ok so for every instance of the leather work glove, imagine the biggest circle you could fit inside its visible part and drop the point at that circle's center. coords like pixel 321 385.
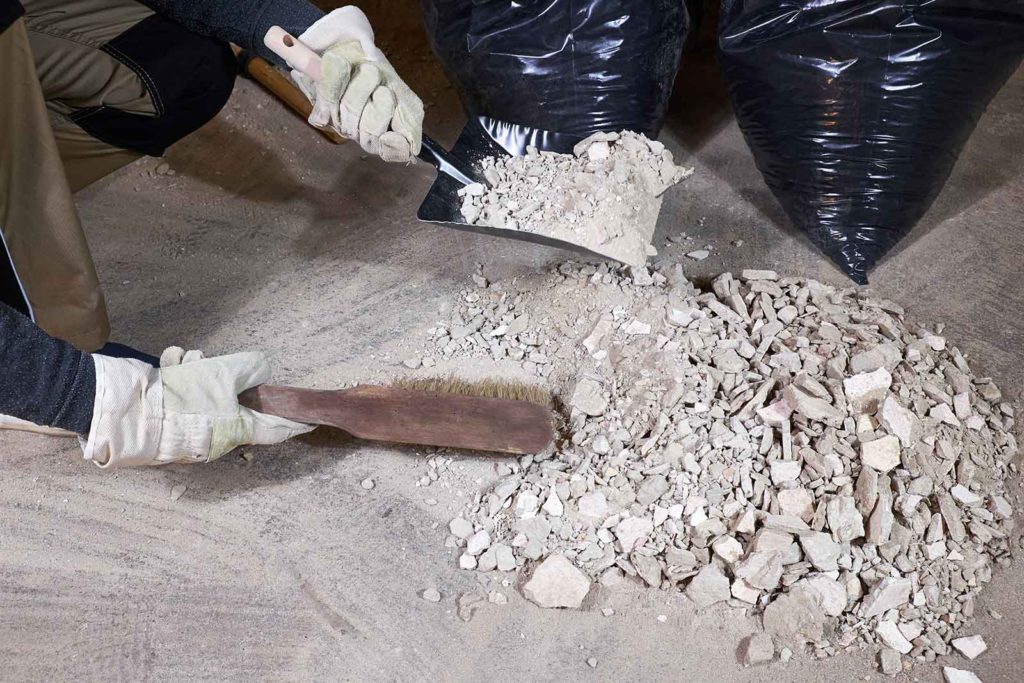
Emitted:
pixel 360 95
pixel 186 411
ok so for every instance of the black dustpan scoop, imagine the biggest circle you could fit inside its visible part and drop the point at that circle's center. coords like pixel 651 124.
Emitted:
pixel 482 138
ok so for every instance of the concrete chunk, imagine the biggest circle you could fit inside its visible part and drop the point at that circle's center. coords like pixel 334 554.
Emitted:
pixel 557 583
pixel 756 649
pixel 709 586
pixel 889 634
pixel 887 594
pixel 881 454
pixel 866 390
pixel 952 675
pixel 898 421
pixel 969 646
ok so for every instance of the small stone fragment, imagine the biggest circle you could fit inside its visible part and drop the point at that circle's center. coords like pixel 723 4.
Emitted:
pixel 556 582
pixel 891 663
pixel 632 532
pixel 887 594
pixel 882 454
pixel 898 421
pixel 177 491
pixel 866 390
pixel 844 520
pixel 821 550
pixel 477 543
pixel 709 586
pixel 589 397
pixel 367 483
pixel 794 618
pixel 467 604
pixel 969 646
pixel 959 675
pixel 431 595
pixel 460 528
pixel 756 649
pixel 889 634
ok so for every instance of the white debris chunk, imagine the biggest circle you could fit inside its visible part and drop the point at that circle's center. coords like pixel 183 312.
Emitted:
pixel 556 582
pixel 965 496
pixel 821 551
pixel 952 675
pixel 477 543
pixel 898 421
pixel 891 636
pixel 728 548
pixel 881 454
pixel 756 649
pixel 887 594
pixel 890 661
pixel 844 520
pixel 461 528
pixel 431 595
pixel 632 532
pixel 969 646
pixel 589 397
pixel 785 470
pixel 866 390
pixel 709 586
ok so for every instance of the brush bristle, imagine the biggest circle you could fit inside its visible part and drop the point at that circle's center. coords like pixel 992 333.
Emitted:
pixel 489 388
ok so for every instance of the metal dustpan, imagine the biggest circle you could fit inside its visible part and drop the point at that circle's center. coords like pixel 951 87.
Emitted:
pixel 481 138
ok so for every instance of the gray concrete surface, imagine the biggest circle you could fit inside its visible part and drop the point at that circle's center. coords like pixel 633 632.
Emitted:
pixel 283 568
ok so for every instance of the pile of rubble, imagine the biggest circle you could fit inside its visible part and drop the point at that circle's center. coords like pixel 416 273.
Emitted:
pixel 777 444
pixel 605 196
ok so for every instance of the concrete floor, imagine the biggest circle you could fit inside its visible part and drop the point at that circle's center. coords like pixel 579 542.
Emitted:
pixel 283 568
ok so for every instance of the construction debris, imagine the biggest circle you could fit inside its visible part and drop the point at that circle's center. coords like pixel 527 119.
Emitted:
pixel 969 646
pixel 605 196
pixel 756 649
pixel 557 583
pixel 431 595
pixel 777 444
pixel 952 675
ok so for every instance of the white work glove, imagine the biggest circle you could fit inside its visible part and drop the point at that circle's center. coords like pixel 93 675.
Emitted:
pixel 186 411
pixel 360 95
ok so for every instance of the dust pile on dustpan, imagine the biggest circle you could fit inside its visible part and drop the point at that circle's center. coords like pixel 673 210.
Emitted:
pixel 604 197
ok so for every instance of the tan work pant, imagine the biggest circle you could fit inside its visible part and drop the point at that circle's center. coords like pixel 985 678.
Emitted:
pixel 52 66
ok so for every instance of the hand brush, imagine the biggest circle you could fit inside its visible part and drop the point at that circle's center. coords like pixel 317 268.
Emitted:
pixel 493 415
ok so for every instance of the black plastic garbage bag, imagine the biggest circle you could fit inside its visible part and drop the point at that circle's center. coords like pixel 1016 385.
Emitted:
pixel 567 67
pixel 856 110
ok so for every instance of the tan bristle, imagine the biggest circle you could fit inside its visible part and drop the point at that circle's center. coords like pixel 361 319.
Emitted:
pixel 487 388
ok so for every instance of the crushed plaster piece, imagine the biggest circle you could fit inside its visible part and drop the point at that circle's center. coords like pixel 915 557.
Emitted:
pixel 605 196
pixel 882 454
pixel 556 582
pixel 756 649
pixel 367 484
pixel 969 646
pixel 952 675
pixel 431 595
pixel 177 491
pixel 729 419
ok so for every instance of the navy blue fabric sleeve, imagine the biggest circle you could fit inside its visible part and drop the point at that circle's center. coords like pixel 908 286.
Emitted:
pixel 242 23
pixel 42 379
pixel 9 11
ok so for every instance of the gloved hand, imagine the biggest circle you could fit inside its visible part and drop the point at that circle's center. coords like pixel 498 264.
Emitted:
pixel 360 94
pixel 186 411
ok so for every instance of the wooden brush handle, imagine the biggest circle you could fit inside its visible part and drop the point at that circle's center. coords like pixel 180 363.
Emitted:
pixel 413 417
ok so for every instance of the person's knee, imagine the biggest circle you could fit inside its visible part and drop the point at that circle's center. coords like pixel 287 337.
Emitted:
pixel 189 78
